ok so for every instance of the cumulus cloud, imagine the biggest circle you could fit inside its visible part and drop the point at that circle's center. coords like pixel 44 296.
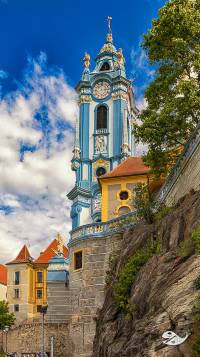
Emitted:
pixel 36 127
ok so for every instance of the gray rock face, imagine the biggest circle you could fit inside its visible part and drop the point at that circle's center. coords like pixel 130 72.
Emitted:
pixel 163 290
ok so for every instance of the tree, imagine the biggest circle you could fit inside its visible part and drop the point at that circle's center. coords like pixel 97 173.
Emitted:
pixel 6 318
pixel 144 202
pixel 173 98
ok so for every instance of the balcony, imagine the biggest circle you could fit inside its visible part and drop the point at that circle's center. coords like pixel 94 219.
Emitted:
pixel 101 131
pixel 102 229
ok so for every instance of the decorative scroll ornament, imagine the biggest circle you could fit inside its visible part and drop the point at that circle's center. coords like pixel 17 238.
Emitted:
pixel 119 95
pixel 85 99
pixel 172 339
pixel 86 60
pixel 97 203
pixel 108 47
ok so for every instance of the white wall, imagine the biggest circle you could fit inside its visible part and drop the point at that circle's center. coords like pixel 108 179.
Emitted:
pixel 3 292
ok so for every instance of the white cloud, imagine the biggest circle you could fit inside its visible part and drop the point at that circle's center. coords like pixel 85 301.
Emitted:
pixel 34 189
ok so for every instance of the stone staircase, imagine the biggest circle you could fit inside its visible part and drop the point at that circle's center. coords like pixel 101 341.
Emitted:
pixel 58 297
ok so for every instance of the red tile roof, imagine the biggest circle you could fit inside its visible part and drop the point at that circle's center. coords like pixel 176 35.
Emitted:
pixel 23 256
pixel 3 274
pixel 130 167
pixel 49 253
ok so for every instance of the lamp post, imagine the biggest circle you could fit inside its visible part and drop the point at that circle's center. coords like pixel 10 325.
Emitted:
pixel 6 331
pixel 43 312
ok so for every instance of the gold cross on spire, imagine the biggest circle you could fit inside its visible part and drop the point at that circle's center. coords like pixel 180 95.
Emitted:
pixel 109 21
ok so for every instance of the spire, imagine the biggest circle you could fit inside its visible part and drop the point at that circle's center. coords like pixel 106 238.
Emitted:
pixel 109 34
pixel 23 256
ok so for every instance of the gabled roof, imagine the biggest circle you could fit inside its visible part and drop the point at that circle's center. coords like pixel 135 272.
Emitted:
pixel 23 256
pixel 3 274
pixel 130 167
pixel 49 253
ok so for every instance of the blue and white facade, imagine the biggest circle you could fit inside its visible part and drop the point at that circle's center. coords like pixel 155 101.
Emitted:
pixel 104 128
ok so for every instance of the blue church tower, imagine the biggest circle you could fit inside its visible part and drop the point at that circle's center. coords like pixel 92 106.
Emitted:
pixel 104 128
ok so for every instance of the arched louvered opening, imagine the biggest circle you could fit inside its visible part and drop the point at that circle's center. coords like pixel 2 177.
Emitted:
pixel 105 67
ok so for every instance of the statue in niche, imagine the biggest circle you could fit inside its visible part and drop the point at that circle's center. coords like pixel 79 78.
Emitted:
pixel 100 144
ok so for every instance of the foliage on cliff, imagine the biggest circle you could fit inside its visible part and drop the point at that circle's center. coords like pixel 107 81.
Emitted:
pixel 160 290
pixel 128 274
pixel 173 98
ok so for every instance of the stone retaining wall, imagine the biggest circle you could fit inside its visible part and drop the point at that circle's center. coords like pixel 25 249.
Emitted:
pixel 26 338
pixel 185 175
pixel 87 285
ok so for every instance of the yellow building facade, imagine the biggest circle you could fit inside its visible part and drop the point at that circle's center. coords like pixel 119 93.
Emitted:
pixel 27 282
pixel 117 187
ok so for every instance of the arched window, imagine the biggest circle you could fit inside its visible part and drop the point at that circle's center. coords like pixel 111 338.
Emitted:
pixel 102 117
pixel 123 195
pixel 105 67
pixel 100 171
pixel 123 210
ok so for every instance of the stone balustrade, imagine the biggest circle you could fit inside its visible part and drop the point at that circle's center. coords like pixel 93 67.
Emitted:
pixel 101 131
pixel 102 229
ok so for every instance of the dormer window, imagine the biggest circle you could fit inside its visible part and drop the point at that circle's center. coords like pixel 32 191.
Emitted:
pixel 105 67
pixel 102 117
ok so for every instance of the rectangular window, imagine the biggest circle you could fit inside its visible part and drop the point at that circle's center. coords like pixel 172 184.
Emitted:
pixel 39 277
pixel 78 260
pixel 17 277
pixel 39 293
pixel 16 308
pixel 39 307
pixel 16 295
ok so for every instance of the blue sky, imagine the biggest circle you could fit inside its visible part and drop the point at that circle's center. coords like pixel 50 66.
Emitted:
pixel 64 30
pixel 42 46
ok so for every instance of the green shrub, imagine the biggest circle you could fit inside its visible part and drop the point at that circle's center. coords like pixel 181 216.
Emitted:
pixel 196 309
pixel 131 311
pixel 196 283
pixel 196 239
pixel 162 212
pixel 185 249
pixel 144 203
pixel 122 287
pixel 196 347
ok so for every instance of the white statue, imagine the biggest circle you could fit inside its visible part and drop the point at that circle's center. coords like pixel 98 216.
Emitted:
pixel 100 144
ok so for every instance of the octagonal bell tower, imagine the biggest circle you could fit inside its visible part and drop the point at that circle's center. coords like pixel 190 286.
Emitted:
pixel 104 128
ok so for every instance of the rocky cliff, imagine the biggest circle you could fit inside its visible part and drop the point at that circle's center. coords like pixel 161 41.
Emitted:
pixel 163 290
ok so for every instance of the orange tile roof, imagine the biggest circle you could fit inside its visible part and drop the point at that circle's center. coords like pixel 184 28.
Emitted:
pixel 49 253
pixel 130 167
pixel 23 256
pixel 3 274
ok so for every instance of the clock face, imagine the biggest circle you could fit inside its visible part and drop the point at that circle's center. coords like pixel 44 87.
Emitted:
pixel 101 90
